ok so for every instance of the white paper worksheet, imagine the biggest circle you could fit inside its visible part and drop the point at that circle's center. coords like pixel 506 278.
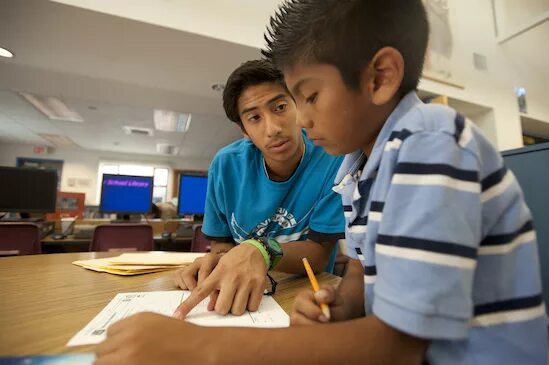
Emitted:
pixel 270 314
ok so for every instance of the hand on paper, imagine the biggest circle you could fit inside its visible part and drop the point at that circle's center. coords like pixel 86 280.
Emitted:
pixel 235 284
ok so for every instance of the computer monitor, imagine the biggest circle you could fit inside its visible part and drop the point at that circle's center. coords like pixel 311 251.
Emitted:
pixel 27 190
pixel 192 194
pixel 124 194
pixel 530 165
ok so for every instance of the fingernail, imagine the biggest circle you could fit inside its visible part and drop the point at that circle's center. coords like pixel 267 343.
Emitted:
pixel 322 318
pixel 177 314
pixel 321 294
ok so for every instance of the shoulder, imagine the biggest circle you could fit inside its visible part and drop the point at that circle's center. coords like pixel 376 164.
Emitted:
pixel 240 151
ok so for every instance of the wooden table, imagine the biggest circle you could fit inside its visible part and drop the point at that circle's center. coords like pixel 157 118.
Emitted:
pixel 45 300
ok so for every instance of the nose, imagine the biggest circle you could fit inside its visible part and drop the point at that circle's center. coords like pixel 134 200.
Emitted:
pixel 274 126
pixel 302 119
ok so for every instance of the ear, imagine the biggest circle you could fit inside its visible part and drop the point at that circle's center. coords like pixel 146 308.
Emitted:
pixel 243 131
pixel 383 75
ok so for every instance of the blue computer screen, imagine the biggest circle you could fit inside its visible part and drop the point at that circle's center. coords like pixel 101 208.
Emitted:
pixel 192 194
pixel 126 194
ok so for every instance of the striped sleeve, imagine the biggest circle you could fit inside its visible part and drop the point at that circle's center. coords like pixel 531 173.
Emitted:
pixel 428 238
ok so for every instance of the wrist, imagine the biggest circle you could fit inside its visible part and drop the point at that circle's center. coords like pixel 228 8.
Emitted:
pixel 261 249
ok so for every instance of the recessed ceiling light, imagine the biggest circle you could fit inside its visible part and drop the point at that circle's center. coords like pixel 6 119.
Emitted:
pixel 4 52
pixel 58 140
pixel 169 121
pixel 53 108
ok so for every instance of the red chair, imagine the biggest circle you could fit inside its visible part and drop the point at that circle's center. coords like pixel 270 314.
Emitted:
pixel 199 243
pixel 19 239
pixel 122 237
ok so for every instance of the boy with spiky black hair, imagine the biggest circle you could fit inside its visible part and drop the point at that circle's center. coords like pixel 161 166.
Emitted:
pixel 445 266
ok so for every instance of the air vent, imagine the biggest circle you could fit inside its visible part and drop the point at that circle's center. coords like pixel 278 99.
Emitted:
pixel 138 131
pixel 167 149
pixel 480 62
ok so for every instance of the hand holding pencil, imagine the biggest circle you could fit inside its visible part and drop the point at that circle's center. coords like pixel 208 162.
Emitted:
pixel 323 306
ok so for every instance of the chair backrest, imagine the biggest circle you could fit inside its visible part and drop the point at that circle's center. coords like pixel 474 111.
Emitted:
pixel 122 237
pixel 199 243
pixel 19 239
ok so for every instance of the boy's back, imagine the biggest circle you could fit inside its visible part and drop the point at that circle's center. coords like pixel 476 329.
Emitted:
pixel 446 239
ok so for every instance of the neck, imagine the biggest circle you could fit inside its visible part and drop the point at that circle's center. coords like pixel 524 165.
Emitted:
pixel 282 170
pixel 385 112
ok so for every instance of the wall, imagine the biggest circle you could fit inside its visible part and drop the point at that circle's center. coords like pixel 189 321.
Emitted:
pixel 84 164
pixel 244 21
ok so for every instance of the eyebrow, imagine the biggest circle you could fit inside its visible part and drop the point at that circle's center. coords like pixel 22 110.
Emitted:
pixel 295 89
pixel 279 96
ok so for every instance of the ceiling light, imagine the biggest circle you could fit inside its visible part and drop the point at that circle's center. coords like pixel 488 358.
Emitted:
pixel 53 108
pixel 169 121
pixel 57 140
pixel 6 53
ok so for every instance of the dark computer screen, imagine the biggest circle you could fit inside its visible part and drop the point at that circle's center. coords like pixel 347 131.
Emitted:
pixel 27 190
pixel 124 194
pixel 192 194
pixel 530 165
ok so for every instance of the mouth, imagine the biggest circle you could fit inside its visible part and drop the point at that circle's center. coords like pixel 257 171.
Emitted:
pixel 279 146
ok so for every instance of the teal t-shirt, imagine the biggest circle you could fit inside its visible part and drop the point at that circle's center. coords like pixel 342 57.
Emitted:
pixel 242 200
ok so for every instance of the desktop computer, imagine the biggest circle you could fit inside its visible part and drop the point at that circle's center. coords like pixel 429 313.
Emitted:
pixel 27 190
pixel 126 195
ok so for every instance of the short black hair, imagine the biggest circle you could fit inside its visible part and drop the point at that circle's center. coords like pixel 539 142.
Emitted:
pixel 248 74
pixel 347 34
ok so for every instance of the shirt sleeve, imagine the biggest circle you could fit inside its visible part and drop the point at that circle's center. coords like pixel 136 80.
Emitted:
pixel 216 224
pixel 428 238
pixel 327 221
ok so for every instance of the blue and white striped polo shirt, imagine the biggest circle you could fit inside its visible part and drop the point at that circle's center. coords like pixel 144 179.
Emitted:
pixel 446 239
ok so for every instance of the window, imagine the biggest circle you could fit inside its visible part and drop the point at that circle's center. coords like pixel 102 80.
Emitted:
pixel 160 174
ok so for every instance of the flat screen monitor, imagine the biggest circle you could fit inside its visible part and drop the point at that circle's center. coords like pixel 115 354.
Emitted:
pixel 192 194
pixel 124 194
pixel 530 165
pixel 27 190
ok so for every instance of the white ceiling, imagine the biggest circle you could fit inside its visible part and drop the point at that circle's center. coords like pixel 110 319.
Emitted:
pixel 123 68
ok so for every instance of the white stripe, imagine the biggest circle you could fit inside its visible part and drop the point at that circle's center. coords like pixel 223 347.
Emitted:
pixel 499 188
pixel 442 180
pixel 526 237
pixel 426 256
pixel 358 229
pixel 361 257
pixel 466 134
pixel 517 315
pixel 375 216
pixel 347 214
pixel 370 279
pixel 342 184
pixel 356 194
pixel 290 237
pixel 393 145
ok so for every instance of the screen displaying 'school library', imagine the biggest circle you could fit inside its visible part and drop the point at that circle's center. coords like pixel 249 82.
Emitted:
pixel 123 194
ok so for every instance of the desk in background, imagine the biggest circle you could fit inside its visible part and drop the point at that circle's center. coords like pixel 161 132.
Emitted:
pixel 45 299
pixel 72 244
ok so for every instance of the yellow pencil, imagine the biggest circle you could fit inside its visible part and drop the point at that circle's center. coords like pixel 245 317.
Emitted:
pixel 323 306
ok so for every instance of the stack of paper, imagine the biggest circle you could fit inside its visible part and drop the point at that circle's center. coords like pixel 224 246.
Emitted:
pixel 269 314
pixel 140 263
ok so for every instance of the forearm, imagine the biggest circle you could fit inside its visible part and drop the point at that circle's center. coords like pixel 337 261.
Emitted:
pixel 364 340
pixel 351 288
pixel 316 253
